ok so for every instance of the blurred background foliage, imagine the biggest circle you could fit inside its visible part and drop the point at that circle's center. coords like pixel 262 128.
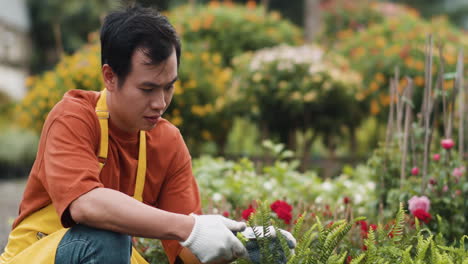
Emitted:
pixel 329 106
pixel 248 75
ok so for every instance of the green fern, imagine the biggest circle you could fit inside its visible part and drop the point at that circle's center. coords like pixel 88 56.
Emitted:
pixel 406 258
pixel 397 229
pixel 337 259
pixel 359 259
pixel 423 245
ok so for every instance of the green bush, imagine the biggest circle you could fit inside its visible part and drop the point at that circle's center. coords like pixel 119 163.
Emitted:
pixel 287 89
pixel 18 151
pixel 231 30
pixel 400 42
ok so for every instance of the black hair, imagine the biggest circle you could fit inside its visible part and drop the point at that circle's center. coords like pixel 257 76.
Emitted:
pixel 125 31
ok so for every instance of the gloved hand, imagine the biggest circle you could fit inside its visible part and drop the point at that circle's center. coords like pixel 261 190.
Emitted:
pixel 254 249
pixel 212 239
pixel 249 234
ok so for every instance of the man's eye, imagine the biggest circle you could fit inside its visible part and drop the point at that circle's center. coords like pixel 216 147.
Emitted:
pixel 170 87
pixel 147 90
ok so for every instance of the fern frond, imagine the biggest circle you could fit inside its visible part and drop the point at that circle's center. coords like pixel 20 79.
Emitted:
pixel 406 257
pixel 337 259
pixel 298 226
pixel 421 248
pixel 369 242
pixel 332 240
pixel 282 246
pixel 358 259
pixel 397 229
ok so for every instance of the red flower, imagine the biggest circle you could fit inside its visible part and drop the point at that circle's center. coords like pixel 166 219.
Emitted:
pixel 226 214
pixel 280 204
pixel 348 259
pixel 432 181
pixel 285 215
pixel 364 227
pixel 247 212
pixel 346 200
pixel 422 215
pixel 373 227
pixel 283 210
pixel 415 171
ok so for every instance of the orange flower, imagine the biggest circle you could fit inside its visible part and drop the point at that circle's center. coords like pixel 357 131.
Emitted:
pixel 214 3
pixel 374 86
pixel 419 81
pixel 374 107
pixel 251 4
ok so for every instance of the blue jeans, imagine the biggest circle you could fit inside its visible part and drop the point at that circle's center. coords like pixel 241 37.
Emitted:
pixel 86 245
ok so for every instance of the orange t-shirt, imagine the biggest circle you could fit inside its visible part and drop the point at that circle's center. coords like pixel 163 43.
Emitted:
pixel 67 166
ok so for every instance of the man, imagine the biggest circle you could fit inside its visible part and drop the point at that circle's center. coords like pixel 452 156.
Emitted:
pixel 98 149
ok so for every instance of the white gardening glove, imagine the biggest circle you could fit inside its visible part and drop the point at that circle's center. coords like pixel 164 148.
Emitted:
pixel 249 234
pixel 212 239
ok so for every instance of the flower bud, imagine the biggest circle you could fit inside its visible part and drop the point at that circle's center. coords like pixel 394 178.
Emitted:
pixel 447 143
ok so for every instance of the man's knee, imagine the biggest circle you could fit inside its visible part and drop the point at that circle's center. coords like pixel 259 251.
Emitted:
pixel 83 243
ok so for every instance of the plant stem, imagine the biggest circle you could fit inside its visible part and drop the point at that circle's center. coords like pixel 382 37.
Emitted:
pixel 408 116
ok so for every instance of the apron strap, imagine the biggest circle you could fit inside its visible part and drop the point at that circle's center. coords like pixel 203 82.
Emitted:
pixel 103 116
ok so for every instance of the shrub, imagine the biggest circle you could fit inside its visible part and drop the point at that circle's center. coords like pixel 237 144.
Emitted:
pixel 400 42
pixel 230 29
pixel 289 89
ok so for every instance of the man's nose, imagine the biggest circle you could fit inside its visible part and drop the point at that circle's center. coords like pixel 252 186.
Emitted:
pixel 158 100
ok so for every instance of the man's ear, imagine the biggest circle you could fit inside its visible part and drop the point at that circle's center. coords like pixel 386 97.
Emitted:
pixel 109 77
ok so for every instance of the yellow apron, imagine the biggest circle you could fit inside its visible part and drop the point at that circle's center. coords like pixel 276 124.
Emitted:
pixel 36 238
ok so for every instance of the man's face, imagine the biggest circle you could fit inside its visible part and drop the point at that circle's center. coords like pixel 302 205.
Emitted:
pixel 139 102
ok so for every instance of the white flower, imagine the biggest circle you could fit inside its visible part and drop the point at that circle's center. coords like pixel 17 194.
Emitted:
pixel 217 197
pixel 268 185
pixel 319 199
pixel 357 198
pixel 347 183
pixel 370 185
pixel 327 186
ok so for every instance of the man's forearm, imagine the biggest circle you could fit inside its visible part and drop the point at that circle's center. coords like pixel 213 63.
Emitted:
pixel 112 210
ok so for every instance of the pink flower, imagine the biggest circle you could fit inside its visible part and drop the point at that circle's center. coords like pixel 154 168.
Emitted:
pixel 415 171
pixel 422 215
pixel 436 157
pixel 419 203
pixel 447 143
pixel 247 212
pixel 445 188
pixel 458 172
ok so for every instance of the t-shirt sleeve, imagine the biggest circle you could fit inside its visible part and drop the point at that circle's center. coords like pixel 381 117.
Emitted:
pixel 70 165
pixel 179 193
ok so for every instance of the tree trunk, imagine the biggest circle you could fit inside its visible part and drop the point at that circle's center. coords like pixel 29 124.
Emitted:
pixel 306 152
pixel 352 139
pixel 312 20
pixel 58 39
pixel 266 4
